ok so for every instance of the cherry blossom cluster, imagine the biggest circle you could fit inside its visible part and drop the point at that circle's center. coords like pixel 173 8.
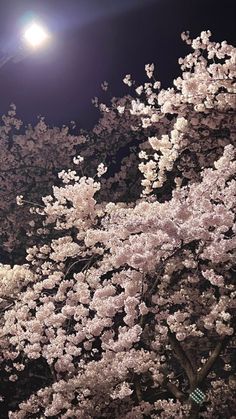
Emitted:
pixel 187 136
pixel 13 279
pixel 173 128
pixel 156 254
pixel 31 158
pixel 128 301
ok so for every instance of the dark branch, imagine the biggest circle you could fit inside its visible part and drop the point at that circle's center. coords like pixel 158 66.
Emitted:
pixel 211 360
pixel 182 358
pixel 175 391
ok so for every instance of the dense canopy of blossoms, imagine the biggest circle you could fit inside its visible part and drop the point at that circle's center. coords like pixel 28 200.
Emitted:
pixel 30 160
pixel 125 305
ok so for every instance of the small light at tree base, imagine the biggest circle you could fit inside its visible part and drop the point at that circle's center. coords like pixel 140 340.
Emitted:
pixel 35 35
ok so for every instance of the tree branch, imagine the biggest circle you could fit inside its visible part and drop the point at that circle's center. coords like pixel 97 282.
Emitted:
pixel 175 391
pixel 138 388
pixel 204 371
pixel 183 359
pixel 211 360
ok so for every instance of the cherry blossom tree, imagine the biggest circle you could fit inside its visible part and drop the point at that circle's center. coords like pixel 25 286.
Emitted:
pixel 30 160
pixel 125 305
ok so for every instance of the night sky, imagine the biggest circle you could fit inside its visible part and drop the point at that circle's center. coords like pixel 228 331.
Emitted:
pixel 97 40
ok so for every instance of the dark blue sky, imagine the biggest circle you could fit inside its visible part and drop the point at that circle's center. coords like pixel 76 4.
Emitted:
pixel 97 40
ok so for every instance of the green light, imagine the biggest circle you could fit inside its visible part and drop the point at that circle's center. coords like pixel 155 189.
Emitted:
pixel 197 396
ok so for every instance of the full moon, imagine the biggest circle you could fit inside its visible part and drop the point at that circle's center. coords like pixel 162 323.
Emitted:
pixel 35 35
